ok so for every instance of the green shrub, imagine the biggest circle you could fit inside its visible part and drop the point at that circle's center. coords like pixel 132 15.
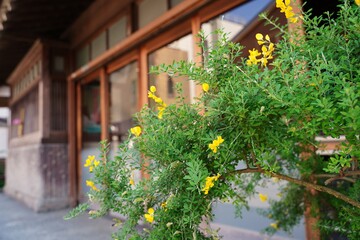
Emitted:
pixel 262 113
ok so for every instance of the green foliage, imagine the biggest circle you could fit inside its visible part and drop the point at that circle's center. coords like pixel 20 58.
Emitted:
pixel 80 209
pixel 268 117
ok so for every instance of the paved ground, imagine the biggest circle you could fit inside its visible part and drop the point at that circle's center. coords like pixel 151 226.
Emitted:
pixel 19 222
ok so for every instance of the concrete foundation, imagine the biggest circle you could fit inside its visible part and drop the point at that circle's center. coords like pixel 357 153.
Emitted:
pixel 37 175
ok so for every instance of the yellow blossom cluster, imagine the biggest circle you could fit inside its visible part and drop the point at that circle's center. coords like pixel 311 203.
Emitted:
pixel 263 197
pixel 357 2
pixel 287 9
pixel 136 131
pixel 150 215
pixel 266 51
pixel 205 87
pixel 209 183
pixel 160 103
pixel 215 144
pixel 91 184
pixel 131 180
pixel 91 162
pixel 274 225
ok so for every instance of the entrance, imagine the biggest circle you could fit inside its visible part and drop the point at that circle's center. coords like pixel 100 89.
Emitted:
pixel 89 131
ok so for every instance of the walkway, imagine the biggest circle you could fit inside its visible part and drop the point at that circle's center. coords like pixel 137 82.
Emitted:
pixel 19 222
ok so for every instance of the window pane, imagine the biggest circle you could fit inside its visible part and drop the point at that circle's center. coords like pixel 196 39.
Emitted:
pixel 175 2
pixel 235 20
pixel 98 45
pixel 90 108
pixel 117 31
pixel 82 56
pixel 123 100
pixel 151 9
pixel 181 49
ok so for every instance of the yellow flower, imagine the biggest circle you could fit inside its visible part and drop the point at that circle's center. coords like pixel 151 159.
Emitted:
pixel 287 9
pixel 89 161
pixel 136 131
pixel 275 179
pixel 164 206
pixel 131 180
pixel 161 105
pixel 263 197
pixel 215 144
pixel 205 87
pixel 150 215
pixel 209 183
pixel 253 57
pixel 357 2
pixel 153 89
pixel 92 185
pixel 274 225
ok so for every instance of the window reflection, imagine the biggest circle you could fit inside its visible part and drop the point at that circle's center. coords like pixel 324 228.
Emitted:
pixel 179 50
pixel 123 101
pixel 90 109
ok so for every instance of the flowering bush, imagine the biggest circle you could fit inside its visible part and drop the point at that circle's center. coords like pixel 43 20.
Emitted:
pixel 261 112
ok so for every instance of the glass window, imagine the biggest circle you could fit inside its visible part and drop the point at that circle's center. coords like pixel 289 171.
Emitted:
pixel 235 20
pixel 98 45
pixel 178 50
pixel 173 3
pixel 82 56
pixel 150 10
pixel 117 31
pixel 91 111
pixel 123 101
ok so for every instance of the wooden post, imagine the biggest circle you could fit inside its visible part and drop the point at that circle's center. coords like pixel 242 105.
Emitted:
pixel 143 89
pixel 197 54
pixel 104 105
pixel 72 144
pixel 312 232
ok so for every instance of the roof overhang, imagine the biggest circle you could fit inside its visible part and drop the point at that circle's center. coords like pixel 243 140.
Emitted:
pixel 22 22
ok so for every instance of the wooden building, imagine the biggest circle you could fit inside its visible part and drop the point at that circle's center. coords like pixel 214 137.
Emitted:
pixel 78 70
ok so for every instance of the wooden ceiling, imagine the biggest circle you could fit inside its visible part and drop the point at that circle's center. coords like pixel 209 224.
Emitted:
pixel 28 20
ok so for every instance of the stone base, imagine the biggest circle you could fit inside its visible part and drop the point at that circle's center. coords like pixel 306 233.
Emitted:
pixel 37 175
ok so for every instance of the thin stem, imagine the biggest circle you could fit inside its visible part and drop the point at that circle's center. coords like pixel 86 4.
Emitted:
pixel 301 183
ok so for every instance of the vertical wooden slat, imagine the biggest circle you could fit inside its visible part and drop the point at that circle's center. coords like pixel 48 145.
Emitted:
pixel 195 28
pixel 104 104
pixel 72 143
pixel 143 88
pixel 143 77
pixel 78 139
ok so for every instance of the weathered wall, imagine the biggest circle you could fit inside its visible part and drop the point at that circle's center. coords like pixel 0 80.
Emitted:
pixel 37 174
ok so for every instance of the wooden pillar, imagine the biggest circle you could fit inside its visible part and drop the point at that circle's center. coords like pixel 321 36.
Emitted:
pixel 72 143
pixel 143 89
pixel 104 105
pixel 143 77
pixel 197 54
pixel 312 232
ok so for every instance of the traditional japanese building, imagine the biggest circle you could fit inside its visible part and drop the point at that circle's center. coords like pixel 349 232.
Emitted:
pixel 78 71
